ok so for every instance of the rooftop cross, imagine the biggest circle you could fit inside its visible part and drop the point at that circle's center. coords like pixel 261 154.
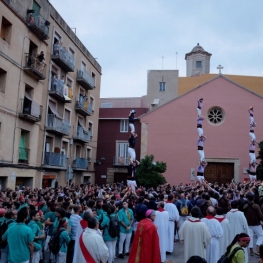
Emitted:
pixel 220 67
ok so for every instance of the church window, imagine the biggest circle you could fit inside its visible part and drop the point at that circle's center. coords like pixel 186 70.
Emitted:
pixel 198 64
pixel 162 86
pixel 215 115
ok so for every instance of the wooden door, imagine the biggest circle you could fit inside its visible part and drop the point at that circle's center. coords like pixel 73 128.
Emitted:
pixel 219 172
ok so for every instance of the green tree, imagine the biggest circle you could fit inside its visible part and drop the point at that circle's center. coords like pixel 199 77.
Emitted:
pixel 260 157
pixel 150 173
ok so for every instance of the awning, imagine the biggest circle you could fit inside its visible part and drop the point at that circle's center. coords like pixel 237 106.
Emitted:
pixel 27 95
pixel 49 176
pixel 54 110
pixel 81 124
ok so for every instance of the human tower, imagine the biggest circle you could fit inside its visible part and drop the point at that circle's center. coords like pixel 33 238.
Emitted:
pixel 252 147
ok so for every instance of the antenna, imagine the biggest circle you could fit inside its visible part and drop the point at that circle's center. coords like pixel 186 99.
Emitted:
pixel 176 53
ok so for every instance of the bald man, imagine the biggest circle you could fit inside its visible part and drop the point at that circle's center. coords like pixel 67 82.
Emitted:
pixel 216 231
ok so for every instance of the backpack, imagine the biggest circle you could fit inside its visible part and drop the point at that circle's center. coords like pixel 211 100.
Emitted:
pixel 100 221
pixel 3 228
pixel 184 209
pixel 225 259
pixel 114 227
pixel 53 244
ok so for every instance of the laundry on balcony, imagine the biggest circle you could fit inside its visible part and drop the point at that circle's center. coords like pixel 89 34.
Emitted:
pixel 67 93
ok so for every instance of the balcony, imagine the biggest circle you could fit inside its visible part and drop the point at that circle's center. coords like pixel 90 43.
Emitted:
pixel 30 110
pixel 80 164
pixel 34 67
pixel 85 79
pixel 38 24
pixel 23 155
pixel 120 161
pixel 55 159
pixel 60 91
pixel 83 107
pixel 57 125
pixel 63 58
pixel 82 135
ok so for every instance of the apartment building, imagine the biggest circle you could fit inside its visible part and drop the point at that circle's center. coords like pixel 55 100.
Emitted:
pixel 48 107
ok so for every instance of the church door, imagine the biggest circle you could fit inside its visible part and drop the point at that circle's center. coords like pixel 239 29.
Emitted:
pixel 219 172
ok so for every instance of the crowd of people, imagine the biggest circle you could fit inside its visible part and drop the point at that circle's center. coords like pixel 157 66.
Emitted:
pixel 91 223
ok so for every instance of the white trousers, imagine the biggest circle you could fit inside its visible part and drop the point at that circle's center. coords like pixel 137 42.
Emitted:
pixel 46 243
pixel 132 153
pixel 61 257
pixel 111 245
pixel 258 232
pixel 200 178
pixel 252 157
pixel 200 131
pixel 251 119
pixel 252 177
pixel 132 127
pixel 127 239
pixel 201 155
pixel 198 111
pixel 36 257
pixel 252 136
pixel 132 184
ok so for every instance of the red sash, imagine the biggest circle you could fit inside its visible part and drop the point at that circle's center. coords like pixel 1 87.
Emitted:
pixel 83 224
pixel 85 252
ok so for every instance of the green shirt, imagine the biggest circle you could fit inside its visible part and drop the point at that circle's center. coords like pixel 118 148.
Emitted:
pixel 126 217
pixel 105 225
pixel 19 236
pixel 52 217
pixel 64 240
pixel 239 256
pixel 37 232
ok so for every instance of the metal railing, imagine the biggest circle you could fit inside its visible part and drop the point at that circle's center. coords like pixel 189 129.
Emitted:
pixel 60 52
pixel 23 155
pixel 81 163
pixel 57 85
pixel 31 108
pixel 86 77
pixel 33 63
pixel 59 125
pixel 55 159
pixel 83 103
pixel 37 21
pixel 82 134
pixel 120 161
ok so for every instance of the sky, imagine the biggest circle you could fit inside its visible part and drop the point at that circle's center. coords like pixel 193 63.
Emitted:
pixel 130 37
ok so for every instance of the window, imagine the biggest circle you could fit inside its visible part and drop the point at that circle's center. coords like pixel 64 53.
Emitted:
pixel 6 30
pixel 215 115
pixel 78 151
pixel 124 126
pixel 23 147
pixel 89 155
pixel 48 145
pixel 2 80
pixel 91 127
pixel 198 64
pixel 64 148
pixel 94 77
pixel 67 115
pixel 162 86
pixel 83 65
pixel 91 102
pixel 54 71
pixel 122 152
pixel 32 48
pixel 36 6
pixel 71 51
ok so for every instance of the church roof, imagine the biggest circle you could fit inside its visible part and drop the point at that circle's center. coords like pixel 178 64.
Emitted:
pixel 253 83
pixel 197 49
pixel 191 83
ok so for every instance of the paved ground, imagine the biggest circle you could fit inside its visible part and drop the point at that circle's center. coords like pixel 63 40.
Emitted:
pixel 178 256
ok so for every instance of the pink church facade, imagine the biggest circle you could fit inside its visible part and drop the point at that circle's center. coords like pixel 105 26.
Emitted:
pixel 170 133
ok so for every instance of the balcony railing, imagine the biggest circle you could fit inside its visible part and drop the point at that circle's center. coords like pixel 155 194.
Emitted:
pixel 57 125
pixel 23 155
pixel 30 110
pixel 82 106
pixel 38 24
pixel 35 67
pixel 85 79
pixel 82 135
pixel 55 159
pixel 120 161
pixel 80 163
pixel 63 58
pixel 60 91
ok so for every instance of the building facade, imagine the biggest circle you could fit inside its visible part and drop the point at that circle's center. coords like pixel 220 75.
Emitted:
pixel 114 132
pixel 48 107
